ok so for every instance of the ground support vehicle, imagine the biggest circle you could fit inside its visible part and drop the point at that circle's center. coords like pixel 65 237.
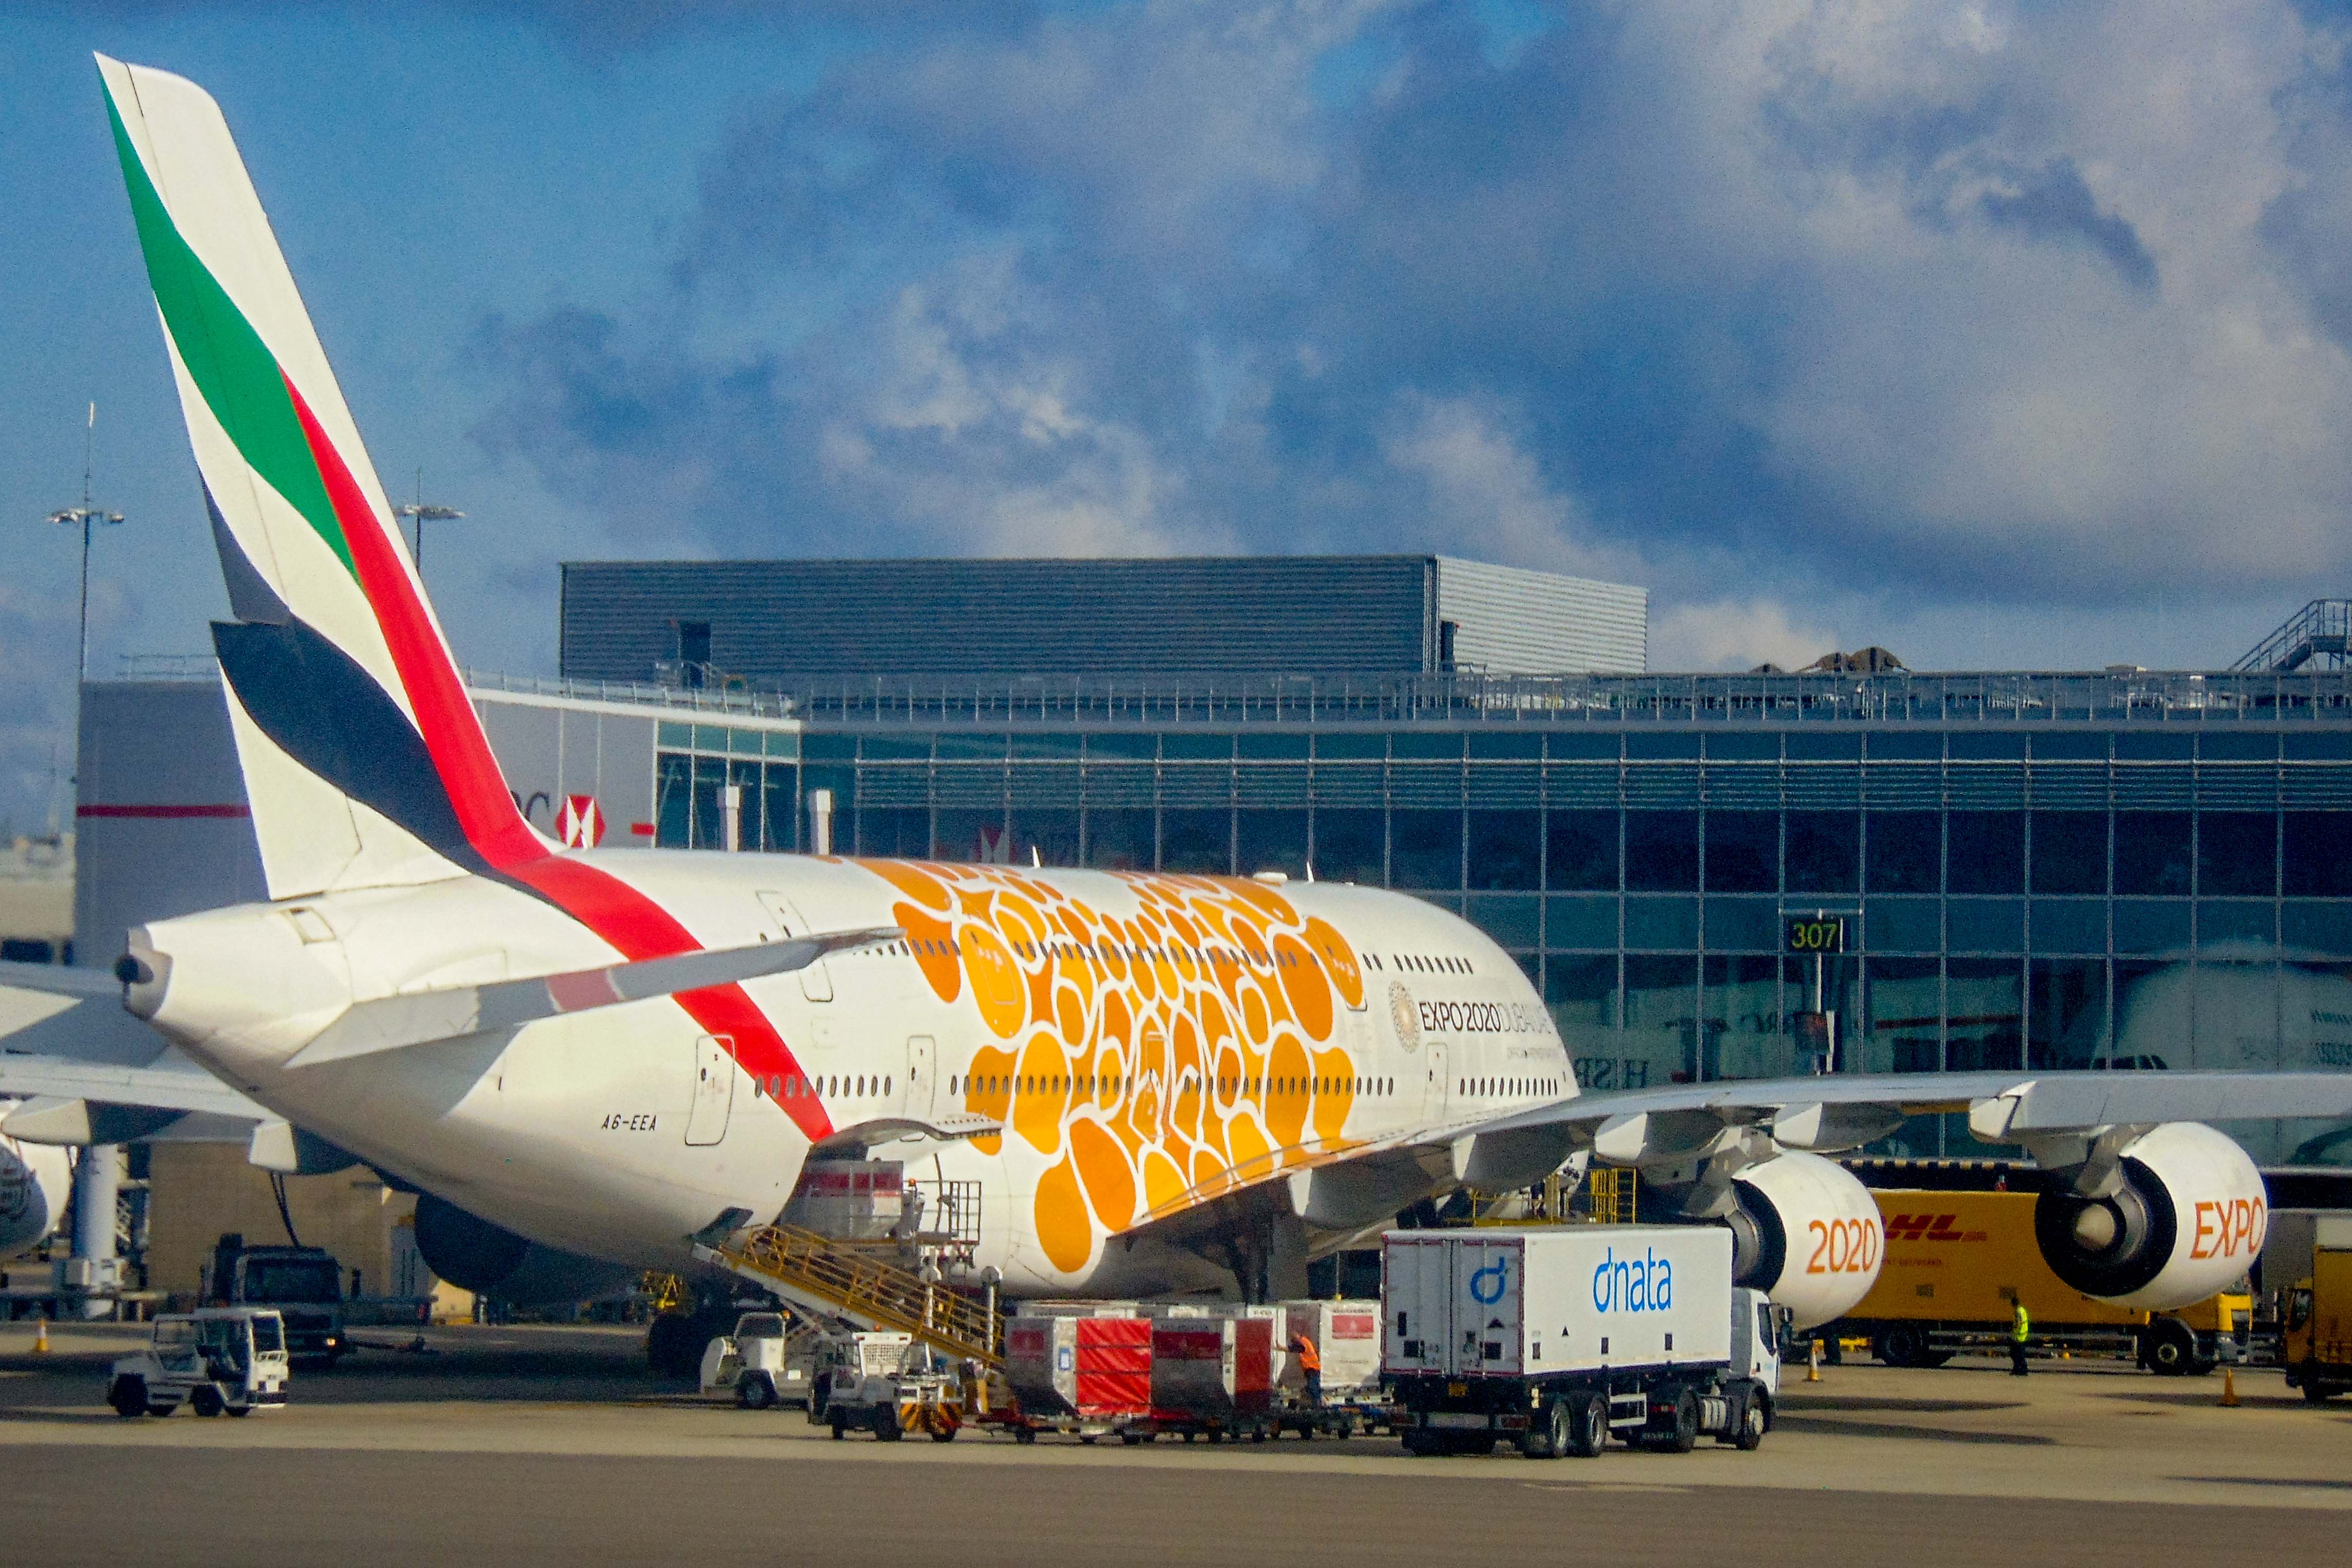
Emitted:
pixel 1558 1338
pixel 884 1384
pixel 1079 1370
pixel 215 1360
pixel 2315 1338
pixel 1956 1263
pixel 304 1283
pixel 763 1362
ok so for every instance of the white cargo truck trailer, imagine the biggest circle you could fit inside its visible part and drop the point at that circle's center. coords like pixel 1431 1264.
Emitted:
pixel 1557 1337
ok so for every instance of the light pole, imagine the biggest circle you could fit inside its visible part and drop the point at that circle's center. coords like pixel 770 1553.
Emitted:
pixel 90 517
pixel 423 514
pixel 98 1173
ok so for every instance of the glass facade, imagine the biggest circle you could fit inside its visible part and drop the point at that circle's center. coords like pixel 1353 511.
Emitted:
pixel 2079 894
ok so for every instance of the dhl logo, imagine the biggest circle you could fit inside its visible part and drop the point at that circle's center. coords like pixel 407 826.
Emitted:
pixel 1922 1228
pixel 2227 1228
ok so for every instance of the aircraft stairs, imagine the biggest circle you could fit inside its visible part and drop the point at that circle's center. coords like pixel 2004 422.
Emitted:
pixel 819 1276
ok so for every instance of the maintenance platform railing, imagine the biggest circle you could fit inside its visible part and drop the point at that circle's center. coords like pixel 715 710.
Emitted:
pixel 2320 630
pixel 808 1270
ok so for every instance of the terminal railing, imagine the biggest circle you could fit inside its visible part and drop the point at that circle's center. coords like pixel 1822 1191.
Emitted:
pixel 2107 698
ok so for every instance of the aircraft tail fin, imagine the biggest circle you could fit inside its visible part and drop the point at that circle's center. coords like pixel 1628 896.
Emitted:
pixel 364 761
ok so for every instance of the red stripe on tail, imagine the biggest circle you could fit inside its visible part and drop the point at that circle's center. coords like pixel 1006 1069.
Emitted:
pixel 633 923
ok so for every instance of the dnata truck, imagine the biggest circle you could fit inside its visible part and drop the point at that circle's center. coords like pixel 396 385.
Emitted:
pixel 1559 1337
pixel 1957 1263
pixel 2315 1340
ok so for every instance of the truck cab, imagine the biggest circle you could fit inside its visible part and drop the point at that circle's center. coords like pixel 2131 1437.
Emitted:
pixel 2315 1331
pixel 304 1283
pixel 215 1360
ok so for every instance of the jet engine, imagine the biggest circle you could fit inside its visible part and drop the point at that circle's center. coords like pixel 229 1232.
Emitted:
pixel 2184 1216
pixel 1806 1234
pixel 35 1182
pixel 475 1255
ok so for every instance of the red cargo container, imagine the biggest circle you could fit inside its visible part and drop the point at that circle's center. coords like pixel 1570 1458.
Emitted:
pixel 1082 1374
pixel 1212 1374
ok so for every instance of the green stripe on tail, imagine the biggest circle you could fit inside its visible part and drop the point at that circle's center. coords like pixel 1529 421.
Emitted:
pixel 232 367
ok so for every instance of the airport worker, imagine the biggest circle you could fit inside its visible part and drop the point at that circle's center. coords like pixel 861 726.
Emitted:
pixel 1310 1365
pixel 2021 1327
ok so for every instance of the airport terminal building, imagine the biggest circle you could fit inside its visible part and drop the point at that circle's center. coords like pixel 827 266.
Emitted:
pixel 2034 870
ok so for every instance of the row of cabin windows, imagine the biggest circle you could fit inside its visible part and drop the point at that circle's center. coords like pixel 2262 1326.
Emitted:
pixel 1421 963
pixel 1089 1083
pixel 792 1086
pixel 1506 1086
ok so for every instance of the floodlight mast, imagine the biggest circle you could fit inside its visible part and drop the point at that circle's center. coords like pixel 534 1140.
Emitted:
pixel 423 514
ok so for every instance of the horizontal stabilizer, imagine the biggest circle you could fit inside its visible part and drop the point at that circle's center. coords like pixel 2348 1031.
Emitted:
pixel 421 1017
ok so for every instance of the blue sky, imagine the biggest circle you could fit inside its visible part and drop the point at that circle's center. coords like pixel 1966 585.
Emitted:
pixel 2006 335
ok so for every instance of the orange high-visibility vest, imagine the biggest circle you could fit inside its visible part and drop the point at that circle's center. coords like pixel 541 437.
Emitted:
pixel 1308 1360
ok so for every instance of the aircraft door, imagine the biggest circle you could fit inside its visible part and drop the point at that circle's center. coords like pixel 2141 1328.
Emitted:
pixel 816 980
pixel 922 1087
pixel 714 1090
pixel 1440 1089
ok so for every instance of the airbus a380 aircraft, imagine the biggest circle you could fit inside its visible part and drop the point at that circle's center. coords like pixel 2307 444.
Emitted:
pixel 585 1058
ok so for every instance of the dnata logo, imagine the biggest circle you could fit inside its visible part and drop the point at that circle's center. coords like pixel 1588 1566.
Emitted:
pixel 1645 1284
pixel 1487 1284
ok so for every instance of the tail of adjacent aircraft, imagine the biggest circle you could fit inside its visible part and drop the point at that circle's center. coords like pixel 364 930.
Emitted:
pixel 364 761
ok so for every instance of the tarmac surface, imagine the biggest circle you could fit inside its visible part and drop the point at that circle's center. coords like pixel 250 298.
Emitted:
pixel 543 1445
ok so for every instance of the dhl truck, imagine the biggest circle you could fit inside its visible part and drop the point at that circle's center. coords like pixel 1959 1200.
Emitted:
pixel 1956 1266
pixel 2315 1340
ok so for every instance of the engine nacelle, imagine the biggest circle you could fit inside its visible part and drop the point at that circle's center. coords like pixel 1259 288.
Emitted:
pixel 2187 1221
pixel 489 1260
pixel 1806 1234
pixel 36 1180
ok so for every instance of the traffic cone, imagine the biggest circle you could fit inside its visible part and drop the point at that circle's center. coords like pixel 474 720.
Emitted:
pixel 40 1336
pixel 1814 1363
pixel 2229 1388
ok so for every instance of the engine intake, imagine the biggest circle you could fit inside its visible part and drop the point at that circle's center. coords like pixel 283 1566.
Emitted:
pixel 2186 1221
pixel 1806 1234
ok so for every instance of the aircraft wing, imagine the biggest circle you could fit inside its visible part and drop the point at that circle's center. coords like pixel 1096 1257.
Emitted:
pixel 1842 1111
pixel 73 1101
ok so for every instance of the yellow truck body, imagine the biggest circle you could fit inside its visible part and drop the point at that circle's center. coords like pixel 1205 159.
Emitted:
pixel 1956 1263
pixel 2315 1342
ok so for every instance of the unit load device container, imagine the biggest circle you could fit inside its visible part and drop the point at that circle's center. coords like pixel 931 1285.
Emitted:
pixel 1558 1337
pixel 1213 1376
pixel 1088 1374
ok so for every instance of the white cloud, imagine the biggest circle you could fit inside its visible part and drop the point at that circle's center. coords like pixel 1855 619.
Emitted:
pixel 1734 633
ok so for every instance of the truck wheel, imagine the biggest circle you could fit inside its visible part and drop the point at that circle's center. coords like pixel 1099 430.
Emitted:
pixel 206 1400
pixel 885 1424
pixel 1900 1345
pixel 753 1392
pixel 2316 1392
pixel 1680 1434
pixel 128 1396
pixel 1557 1436
pixel 1423 1444
pixel 943 1434
pixel 1587 1424
pixel 1751 1421
pixel 1024 1434
pixel 2167 1347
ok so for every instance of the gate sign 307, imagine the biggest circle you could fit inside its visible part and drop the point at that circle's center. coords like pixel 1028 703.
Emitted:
pixel 1814 933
